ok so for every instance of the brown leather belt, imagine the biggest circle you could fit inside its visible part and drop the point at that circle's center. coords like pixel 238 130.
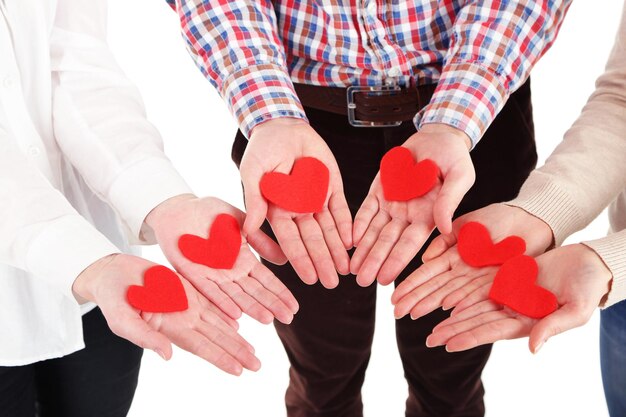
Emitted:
pixel 368 106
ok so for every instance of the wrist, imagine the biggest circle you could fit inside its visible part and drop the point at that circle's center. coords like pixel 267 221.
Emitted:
pixel 84 285
pixel 596 266
pixel 277 123
pixel 539 237
pixel 153 219
pixel 445 129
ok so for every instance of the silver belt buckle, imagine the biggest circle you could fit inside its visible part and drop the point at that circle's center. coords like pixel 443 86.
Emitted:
pixel 389 89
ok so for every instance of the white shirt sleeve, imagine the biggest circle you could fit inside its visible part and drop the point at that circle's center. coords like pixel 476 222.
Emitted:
pixel 41 232
pixel 100 121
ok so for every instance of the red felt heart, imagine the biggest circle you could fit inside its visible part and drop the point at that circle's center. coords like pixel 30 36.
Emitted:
pixel 304 190
pixel 403 179
pixel 514 286
pixel 220 250
pixel 162 292
pixel 477 249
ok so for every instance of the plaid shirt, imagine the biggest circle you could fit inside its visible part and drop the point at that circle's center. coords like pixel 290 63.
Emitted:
pixel 477 51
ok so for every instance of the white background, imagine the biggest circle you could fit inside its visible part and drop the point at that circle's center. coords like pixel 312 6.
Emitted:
pixel 562 380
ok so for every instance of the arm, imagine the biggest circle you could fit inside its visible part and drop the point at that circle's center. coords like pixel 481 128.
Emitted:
pixel 493 48
pixel 494 45
pixel 586 171
pixel 236 46
pixel 100 122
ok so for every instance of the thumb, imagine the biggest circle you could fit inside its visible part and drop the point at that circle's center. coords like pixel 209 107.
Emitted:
pixel 456 183
pixel 565 318
pixel 256 206
pixel 438 246
pixel 134 329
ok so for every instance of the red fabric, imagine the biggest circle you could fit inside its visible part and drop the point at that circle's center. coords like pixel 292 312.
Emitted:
pixel 514 286
pixel 403 179
pixel 220 250
pixel 162 292
pixel 477 249
pixel 304 190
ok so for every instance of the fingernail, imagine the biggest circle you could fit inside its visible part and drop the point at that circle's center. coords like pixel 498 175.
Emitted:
pixel 160 353
pixel 445 308
pixel 413 317
pixel 539 346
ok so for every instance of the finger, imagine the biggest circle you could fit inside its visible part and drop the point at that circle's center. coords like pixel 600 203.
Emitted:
pixel 411 301
pixel 480 294
pixel 434 299
pixel 504 329
pixel 438 246
pixel 443 335
pixel 366 214
pixel 133 328
pixel 473 311
pixel 461 293
pixel 234 345
pixel 367 241
pixel 340 211
pixel 212 309
pixel 256 205
pixel 313 239
pixel 266 247
pixel 211 318
pixel 335 245
pixel 276 286
pixel 565 318
pixel 290 241
pixel 198 344
pixel 455 184
pixel 247 304
pixel 214 294
pixel 410 242
pixel 421 275
pixel 268 300
pixel 387 239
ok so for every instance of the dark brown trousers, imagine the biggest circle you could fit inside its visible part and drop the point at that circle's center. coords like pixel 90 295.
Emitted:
pixel 329 341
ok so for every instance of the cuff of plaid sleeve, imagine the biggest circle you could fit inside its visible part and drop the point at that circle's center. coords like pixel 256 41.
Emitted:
pixel 611 249
pixel 468 97
pixel 258 93
pixel 543 198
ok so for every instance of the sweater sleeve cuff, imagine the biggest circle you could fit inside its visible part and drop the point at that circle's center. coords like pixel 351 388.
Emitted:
pixel 546 200
pixel 468 97
pixel 64 249
pixel 258 93
pixel 612 250
pixel 139 189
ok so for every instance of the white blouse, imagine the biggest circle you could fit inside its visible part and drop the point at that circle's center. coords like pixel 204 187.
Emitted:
pixel 73 135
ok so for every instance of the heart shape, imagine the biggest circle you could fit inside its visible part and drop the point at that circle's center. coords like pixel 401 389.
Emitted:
pixel 403 179
pixel 514 286
pixel 220 250
pixel 303 190
pixel 162 292
pixel 477 249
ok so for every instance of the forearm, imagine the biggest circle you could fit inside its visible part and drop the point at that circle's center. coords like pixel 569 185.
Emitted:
pixel 586 171
pixel 41 232
pixel 236 46
pixel 494 46
pixel 100 121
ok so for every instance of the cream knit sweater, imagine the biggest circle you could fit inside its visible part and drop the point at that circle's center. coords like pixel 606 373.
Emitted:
pixel 587 172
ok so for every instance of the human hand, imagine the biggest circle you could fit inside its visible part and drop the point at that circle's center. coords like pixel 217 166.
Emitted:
pixel 444 279
pixel 388 234
pixel 249 286
pixel 315 244
pixel 575 274
pixel 202 329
